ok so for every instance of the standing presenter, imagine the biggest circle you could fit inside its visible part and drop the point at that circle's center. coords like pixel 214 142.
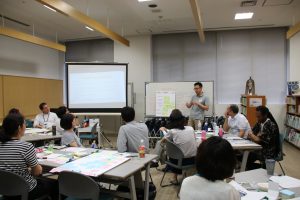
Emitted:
pixel 197 105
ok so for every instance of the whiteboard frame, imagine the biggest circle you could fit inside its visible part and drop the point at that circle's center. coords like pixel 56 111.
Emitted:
pixel 192 82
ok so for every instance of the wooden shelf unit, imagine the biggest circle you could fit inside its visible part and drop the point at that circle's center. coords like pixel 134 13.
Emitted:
pixel 249 104
pixel 292 123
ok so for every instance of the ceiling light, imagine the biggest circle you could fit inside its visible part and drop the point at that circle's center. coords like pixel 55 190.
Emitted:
pixel 143 0
pixel 89 28
pixel 247 15
pixel 49 8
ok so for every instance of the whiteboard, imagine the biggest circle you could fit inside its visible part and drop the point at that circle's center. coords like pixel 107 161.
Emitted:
pixel 184 92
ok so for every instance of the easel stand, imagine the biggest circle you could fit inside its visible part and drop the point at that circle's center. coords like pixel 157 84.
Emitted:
pixel 102 134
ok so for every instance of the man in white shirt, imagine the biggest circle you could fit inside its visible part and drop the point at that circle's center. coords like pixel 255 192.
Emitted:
pixel 46 119
pixel 236 123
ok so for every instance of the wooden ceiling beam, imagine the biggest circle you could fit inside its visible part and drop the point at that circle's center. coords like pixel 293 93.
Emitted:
pixel 198 19
pixel 68 10
pixel 293 30
pixel 32 39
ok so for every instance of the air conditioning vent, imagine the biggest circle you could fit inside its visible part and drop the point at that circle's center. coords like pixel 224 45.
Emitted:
pixel 156 10
pixel 248 3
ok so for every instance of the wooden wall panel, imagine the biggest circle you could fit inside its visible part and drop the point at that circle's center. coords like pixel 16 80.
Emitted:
pixel 27 93
pixel 1 99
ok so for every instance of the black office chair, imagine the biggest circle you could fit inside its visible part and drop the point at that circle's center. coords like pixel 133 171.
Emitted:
pixel 175 152
pixel 280 154
pixel 12 184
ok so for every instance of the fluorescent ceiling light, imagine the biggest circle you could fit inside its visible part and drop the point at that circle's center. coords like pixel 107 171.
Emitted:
pixel 143 0
pixel 49 8
pixel 247 15
pixel 89 28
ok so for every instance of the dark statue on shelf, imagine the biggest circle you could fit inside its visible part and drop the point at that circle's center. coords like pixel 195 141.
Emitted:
pixel 250 87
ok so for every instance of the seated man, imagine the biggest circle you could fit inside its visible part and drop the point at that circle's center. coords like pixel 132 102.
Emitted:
pixel 46 119
pixel 236 123
pixel 131 134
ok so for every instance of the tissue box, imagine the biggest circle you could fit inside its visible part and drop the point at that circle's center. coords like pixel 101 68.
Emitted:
pixel 287 194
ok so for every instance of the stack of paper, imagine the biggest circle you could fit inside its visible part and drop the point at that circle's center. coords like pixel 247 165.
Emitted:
pixel 286 181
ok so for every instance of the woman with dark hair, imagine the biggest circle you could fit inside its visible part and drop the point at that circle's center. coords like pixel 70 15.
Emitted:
pixel 19 157
pixel 265 133
pixel 69 138
pixel 215 161
pixel 60 112
pixel 14 111
pixel 183 137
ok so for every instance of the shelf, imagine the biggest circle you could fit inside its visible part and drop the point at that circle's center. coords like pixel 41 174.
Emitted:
pixel 292 144
pixel 291 104
pixel 298 130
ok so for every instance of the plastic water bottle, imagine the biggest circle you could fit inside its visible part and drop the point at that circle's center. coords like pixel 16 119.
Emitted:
pixel 94 145
pixel 214 125
pixel 216 129
pixel 142 149
pixel 199 125
pixel 221 131
pixel 205 126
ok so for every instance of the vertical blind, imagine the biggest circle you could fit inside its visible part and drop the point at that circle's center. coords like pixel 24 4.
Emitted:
pixel 228 58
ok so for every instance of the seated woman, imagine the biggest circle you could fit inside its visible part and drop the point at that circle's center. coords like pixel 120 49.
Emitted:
pixel 60 112
pixel 182 136
pixel 265 133
pixel 69 138
pixel 19 157
pixel 215 161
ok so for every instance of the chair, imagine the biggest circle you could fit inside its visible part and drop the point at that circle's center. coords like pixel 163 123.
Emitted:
pixel 174 152
pixel 12 184
pixel 88 134
pixel 280 154
pixel 76 185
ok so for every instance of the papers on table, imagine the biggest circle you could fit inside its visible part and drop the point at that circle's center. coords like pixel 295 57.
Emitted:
pixel 36 130
pixel 234 138
pixel 94 164
pixel 74 149
pixel 286 181
pixel 250 195
pixel 53 158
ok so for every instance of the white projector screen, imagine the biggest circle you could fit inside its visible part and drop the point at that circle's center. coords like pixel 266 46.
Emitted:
pixel 96 87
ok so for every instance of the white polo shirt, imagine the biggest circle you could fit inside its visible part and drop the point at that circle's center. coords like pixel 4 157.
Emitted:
pixel 237 123
pixel 45 120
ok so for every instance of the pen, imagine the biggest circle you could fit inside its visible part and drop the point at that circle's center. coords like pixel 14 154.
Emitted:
pixel 242 193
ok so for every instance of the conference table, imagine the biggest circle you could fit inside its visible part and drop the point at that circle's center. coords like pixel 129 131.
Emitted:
pixel 35 135
pixel 237 143
pixel 128 171
pixel 258 176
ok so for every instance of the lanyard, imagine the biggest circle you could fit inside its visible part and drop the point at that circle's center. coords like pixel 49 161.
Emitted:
pixel 47 118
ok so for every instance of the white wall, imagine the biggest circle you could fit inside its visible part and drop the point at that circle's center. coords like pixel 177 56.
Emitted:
pixel 21 58
pixel 294 60
pixel 138 56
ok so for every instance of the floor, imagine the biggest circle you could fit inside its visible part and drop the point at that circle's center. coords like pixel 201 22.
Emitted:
pixel 290 165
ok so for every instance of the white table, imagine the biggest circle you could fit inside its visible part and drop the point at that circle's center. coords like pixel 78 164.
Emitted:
pixel 97 114
pixel 129 170
pixel 242 145
pixel 40 137
pixel 258 176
